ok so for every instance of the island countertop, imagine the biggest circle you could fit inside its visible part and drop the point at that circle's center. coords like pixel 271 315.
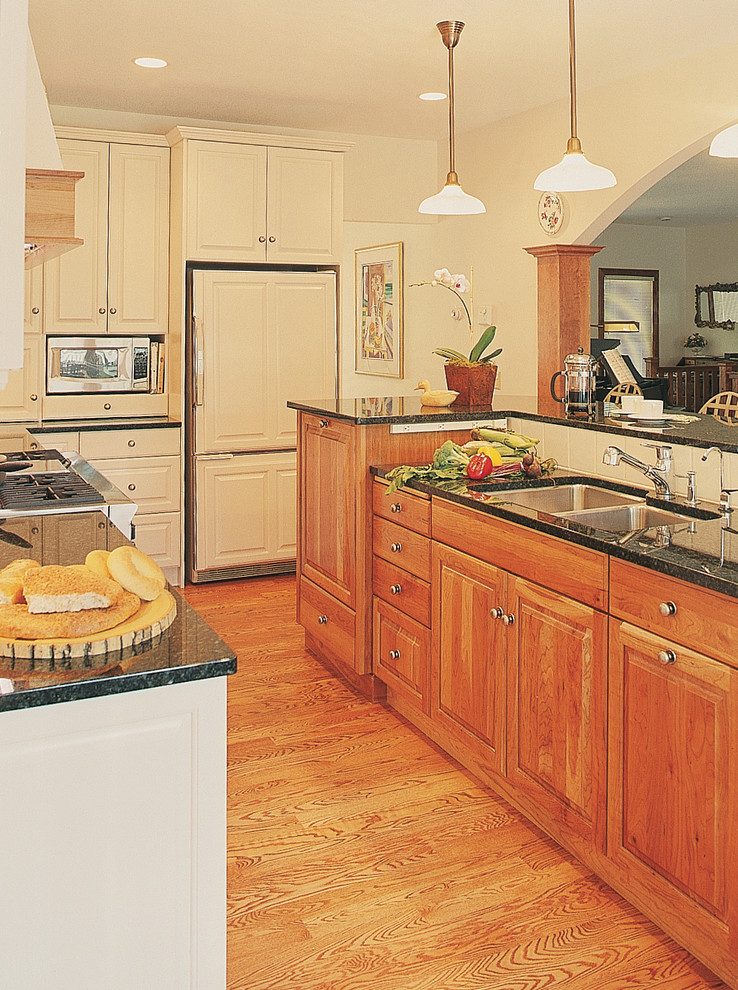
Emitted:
pixel 188 650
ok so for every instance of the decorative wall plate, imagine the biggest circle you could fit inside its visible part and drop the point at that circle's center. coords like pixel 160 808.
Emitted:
pixel 550 212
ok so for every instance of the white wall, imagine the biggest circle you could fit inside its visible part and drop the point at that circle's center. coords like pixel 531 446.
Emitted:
pixel 712 256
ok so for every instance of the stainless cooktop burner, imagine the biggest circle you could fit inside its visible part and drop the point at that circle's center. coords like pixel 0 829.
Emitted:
pixel 55 482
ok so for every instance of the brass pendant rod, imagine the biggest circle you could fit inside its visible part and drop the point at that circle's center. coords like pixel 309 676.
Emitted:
pixel 574 144
pixel 451 123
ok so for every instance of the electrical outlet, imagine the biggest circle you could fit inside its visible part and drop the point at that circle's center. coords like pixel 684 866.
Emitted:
pixel 483 314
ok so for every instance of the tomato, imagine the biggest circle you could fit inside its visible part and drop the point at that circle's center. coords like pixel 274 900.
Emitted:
pixel 479 466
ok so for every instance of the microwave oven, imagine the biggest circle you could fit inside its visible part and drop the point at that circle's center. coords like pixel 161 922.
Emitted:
pixel 101 364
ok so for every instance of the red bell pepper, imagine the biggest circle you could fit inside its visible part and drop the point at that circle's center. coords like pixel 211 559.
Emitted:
pixel 479 466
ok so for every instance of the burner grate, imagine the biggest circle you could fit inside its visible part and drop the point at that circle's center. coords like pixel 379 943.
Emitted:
pixel 26 491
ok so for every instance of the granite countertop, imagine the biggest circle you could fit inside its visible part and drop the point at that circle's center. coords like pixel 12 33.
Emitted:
pixel 72 425
pixel 700 431
pixel 700 547
pixel 188 650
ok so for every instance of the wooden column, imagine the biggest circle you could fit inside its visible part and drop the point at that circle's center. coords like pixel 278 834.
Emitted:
pixel 563 312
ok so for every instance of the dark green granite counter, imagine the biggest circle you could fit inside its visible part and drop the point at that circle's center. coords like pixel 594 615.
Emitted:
pixel 188 650
pixel 73 425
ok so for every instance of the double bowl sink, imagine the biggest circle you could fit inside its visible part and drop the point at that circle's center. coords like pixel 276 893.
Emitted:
pixel 596 507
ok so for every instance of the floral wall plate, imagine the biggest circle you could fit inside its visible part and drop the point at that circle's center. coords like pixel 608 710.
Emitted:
pixel 550 212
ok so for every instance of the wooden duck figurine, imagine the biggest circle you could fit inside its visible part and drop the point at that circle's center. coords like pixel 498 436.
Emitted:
pixel 435 397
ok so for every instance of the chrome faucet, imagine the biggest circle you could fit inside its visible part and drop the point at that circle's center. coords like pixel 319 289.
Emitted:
pixel 656 472
pixel 725 493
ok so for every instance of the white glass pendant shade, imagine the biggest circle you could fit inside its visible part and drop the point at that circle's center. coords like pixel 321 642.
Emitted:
pixel 452 201
pixel 725 144
pixel 574 173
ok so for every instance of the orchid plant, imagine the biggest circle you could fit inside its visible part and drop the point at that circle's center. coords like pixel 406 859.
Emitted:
pixel 459 284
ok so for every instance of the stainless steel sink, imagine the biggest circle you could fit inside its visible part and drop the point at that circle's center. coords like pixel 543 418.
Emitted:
pixel 626 518
pixel 569 498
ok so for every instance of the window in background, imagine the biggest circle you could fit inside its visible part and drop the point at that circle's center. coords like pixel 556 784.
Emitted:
pixel 630 296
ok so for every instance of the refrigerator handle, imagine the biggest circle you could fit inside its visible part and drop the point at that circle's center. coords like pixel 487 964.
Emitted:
pixel 198 360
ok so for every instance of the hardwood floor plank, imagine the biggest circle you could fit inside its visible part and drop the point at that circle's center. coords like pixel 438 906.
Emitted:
pixel 362 858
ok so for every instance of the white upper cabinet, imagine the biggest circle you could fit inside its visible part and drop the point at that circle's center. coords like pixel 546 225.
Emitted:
pixel 118 281
pixel 250 203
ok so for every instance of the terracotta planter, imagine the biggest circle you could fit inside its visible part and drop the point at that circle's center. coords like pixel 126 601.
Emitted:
pixel 475 384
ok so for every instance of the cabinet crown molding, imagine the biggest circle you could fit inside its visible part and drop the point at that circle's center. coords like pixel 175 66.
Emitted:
pixel 178 134
pixel 110 137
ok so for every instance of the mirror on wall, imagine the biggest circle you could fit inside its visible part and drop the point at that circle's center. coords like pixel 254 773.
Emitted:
pixel 717 305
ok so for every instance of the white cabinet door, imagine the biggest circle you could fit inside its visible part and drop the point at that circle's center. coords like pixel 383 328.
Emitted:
pixel 245 510
pixel 33 299
pixel 20 400
pixel 139 239
pixel 151 482
pixel 226 202
pixel 75 289
pixel 304 206
pixel 265 338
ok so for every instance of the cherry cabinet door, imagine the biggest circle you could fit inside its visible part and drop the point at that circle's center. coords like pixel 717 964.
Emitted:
pixel 557 708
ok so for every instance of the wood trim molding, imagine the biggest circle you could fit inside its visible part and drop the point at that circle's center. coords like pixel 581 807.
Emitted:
pixel 563 297
pixel 318 143
pixel 112 137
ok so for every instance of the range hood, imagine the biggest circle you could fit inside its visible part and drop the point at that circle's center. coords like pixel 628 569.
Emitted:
pixel 49 214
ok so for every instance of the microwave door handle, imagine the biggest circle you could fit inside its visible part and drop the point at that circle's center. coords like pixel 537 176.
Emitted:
pixel 198 360
pixel 125 367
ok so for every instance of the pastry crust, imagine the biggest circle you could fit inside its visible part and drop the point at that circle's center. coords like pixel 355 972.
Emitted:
pixel 16 622
pixel 11 580
pixel 67 589
pixel 136 572
pixel 97 562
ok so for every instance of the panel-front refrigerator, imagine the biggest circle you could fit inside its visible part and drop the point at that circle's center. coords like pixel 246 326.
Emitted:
pixel 256 339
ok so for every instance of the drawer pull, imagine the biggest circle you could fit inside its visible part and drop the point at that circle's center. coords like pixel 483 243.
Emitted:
pixel 497 613
pixel 131 443
pixel 35 310
pixel 107 406
pixel 34 397
pixel 396 547
pixel 396 589
pixel 394 654
pixel 508 620
pixel 396 507
pixel 322 619
pixel 667 656
pixel 668 608
pixel 131 487
pixel 324 423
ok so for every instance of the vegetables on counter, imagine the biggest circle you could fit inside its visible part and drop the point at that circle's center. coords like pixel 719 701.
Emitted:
pixel 479 466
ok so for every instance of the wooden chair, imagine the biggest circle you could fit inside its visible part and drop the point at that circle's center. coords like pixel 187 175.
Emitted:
pixel 617 392
pixel 723 406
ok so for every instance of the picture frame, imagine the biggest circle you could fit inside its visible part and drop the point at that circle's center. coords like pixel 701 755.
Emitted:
pixel 378 291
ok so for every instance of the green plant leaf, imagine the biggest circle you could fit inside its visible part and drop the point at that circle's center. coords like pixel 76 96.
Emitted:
pixel 446 352
pixel 482 344
pixel 490 357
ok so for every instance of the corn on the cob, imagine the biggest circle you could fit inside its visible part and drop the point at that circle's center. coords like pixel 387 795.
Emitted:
pixel 511 439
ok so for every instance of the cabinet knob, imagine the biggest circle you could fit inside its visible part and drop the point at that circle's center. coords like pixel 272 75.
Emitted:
pixel 131 443
pixel 34 397
pixel 396 507
pixel 396 547
pixel 394 654
pixel 497 613
pixel 272 240
pixel 667 656
pixel 396 589
pixel 33 446
pixel 323 424
pixel 113 310
pixel 107 406
pixel 101 311
pixel 322 619
pixel 508 620
pixel 35 530
pixel 262 239
pixel 131 487
pixel 35 310
pixel 668 608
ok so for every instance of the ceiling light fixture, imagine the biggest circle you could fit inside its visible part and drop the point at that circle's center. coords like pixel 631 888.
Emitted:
pixel 150 63
pixel 432 96
pixel 574 173
pixel 725 144
pixel 451 200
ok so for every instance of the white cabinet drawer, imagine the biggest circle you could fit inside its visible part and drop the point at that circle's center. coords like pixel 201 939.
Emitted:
pixel 64 442
pixel 129 443
pixel 158 535
pixel 153 483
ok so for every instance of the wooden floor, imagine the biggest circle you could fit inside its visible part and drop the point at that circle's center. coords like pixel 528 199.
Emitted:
pixel 362 857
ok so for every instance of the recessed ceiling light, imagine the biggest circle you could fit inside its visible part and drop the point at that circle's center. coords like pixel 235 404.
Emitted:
pixel 432 96
pixel 150 63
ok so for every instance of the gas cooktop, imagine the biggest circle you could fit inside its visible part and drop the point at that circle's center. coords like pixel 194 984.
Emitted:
pixel 55 482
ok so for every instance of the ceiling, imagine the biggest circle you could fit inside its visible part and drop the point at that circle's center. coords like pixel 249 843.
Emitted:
pixel 357 66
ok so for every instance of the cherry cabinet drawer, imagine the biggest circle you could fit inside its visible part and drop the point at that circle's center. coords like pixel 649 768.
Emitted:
pixel 696 617
pixel 329 621
pixel 402 654
pixel 402 547
pixel 408 509
pixel 406 592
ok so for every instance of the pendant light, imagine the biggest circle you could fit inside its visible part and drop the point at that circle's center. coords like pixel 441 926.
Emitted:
pixel 574 173
pixel 725 144
pixel 451 200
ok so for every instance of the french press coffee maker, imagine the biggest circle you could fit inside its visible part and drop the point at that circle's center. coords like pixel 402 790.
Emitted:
pixel 579 385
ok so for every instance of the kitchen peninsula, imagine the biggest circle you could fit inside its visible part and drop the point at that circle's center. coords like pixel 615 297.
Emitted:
pixel 112 769
pixel 588 675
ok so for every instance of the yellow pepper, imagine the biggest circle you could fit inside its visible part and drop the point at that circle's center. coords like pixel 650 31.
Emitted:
pixel 492 452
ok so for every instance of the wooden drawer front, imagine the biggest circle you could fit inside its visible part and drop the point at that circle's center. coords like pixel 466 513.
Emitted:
pixel 128 443
pixel 64 442
pixel 413 596
pixel 704 620
pixel 402 653
pixel 574 571
pixel 402 547
pixel 151 482
pixel 405 508
pixel 328 621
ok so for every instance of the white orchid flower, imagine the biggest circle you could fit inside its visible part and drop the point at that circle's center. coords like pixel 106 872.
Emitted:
pixel 460 283
pixel 444 276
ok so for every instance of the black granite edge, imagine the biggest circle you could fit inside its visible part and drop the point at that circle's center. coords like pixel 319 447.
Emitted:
pixel 75 425
pixel 119 684
pixel 674 561
pixel 425 414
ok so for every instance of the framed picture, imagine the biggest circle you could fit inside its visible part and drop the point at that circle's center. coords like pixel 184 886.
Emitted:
pixel 379 310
